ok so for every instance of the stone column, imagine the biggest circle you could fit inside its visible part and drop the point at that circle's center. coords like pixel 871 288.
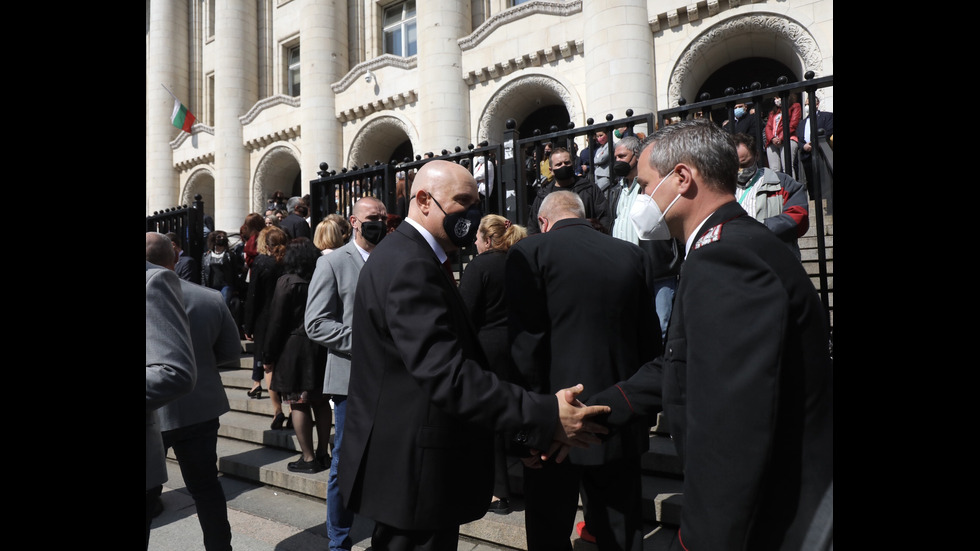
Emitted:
pixel 323 61
pixel 235 91
pixel 619 69
pixel 166 65
pixel 443 96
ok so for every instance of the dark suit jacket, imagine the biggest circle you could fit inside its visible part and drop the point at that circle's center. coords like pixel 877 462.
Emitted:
pixel 421 405
pixel 296 226
pixel 581 311
pixel 825 121
pixel 751 124
pixel 187 268
pixel 746 385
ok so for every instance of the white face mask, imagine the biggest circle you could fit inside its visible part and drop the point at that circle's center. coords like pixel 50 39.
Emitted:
pixel 647 218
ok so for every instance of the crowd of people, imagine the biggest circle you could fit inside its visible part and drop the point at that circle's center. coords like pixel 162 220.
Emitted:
pixel 670 281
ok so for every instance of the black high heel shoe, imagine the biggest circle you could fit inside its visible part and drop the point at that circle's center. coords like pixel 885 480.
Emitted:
pixel 255 392
pixel 278 421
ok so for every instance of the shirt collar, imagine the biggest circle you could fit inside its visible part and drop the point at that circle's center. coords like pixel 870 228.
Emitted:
pixel 436 247
pixel 364 254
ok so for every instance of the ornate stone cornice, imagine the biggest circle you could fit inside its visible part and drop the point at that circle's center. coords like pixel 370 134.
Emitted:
pixel 693 12
pixel 391 102
pixel 533 59
pixel 386 60
pixel 268 103
pixel 786 30
pixel 517 13
pixel 205 159
pixel 197 128
pixel 285 134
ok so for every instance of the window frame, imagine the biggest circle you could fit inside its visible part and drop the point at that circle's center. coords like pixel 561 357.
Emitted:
pixel 402 26
pixel 290 68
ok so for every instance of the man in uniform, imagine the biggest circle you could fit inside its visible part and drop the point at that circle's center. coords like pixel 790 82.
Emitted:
pixel 746 379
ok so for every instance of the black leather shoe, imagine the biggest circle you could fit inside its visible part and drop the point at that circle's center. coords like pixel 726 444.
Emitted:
pixel 255 392
pixel 158 507
pixel 501 506
pixel 323 459
pixel 300 466
pixel 278 421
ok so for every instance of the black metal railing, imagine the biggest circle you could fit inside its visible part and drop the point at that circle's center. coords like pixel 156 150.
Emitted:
pixel 823 162
pixel 514 178
pixel 185 221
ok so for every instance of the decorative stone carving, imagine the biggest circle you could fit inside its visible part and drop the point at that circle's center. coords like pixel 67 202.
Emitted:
pixel 271 165
pixel 360 149
pixel 499 107
pixel 784 29
pixel 385 60
pixel 267 103
pixel 205 159
pixel 516 13
pixel 383 104
pixel 196 129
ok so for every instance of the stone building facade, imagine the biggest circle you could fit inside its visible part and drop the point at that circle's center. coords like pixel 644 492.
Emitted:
pixel 279 86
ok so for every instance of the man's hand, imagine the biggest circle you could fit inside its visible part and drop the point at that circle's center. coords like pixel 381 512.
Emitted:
pixel 575 430
pixel 532 462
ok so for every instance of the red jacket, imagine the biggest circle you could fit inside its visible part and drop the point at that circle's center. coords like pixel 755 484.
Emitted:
pixel 773 129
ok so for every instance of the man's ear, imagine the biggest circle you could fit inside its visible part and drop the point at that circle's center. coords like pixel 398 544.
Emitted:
pixel 685 178
pixel 423 199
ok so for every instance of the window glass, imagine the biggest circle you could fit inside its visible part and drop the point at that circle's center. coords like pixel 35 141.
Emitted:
pixel 412 42
pixel 400 35
pixel 293 78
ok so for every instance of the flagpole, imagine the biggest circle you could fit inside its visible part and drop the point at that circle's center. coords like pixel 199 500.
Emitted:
pixel 169 92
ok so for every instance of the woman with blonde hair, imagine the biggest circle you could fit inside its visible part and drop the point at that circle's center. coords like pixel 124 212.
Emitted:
pixel 482 288
pixel 331 233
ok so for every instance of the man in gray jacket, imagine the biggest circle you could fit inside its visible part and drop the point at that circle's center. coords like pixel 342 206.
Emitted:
pixel 329 311
pixel 170 371
pixel 189 424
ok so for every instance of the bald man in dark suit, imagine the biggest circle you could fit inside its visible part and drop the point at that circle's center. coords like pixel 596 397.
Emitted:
pixel 422 402
pixel 582 310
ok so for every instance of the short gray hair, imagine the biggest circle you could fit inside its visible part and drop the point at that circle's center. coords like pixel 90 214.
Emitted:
pixel 701 144
pixel 562 204
pixel 631 143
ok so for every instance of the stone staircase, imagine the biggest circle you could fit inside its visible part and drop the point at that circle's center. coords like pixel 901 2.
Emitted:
pixel 248 449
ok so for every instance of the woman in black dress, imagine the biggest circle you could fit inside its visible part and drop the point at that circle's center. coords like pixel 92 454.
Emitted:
pixel 296 362
pixel 482 288
pixel 266 269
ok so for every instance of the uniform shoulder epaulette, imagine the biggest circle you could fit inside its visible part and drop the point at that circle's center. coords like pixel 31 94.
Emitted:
pixel 710 236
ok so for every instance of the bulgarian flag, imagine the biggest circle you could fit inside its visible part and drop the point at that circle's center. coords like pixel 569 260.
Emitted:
pixel 182 117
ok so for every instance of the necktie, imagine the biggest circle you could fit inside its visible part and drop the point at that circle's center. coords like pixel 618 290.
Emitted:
pixel 449 271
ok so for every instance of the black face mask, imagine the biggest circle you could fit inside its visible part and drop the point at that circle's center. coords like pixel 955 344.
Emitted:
pixel 373 231
pixel 564 173
pixel 621 168
pixel 461 227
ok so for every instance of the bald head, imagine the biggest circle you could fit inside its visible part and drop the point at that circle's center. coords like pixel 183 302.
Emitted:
pixel 366 203
pixel 559 205
pixel 441 188
pixel 160 250
pixel 366 209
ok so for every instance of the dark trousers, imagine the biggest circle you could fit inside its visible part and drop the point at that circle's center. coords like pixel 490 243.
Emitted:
pixel 611 497
pixel 195 448
pixel 389 538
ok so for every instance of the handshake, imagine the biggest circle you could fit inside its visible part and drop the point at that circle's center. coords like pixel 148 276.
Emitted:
pixel 574 429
